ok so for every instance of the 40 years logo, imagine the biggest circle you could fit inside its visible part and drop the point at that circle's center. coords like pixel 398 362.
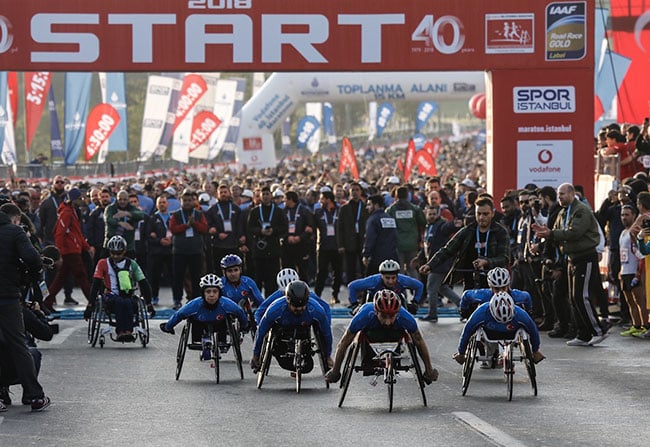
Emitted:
pixel 6 36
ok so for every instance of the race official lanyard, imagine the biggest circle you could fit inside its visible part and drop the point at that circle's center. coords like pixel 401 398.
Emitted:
pixel 295 215
pixel 229 211
pixel 270 215
pixel 164 218
pixel 358 213
pixel 566 217
pixel 478 243
pixel 183 216
pixel 333 216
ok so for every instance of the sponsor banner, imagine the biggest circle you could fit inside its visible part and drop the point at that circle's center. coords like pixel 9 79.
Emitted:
pixel 205 103
pixel 56 144
pixel 37 86
pixel 194 87
pixel 566 31
pixel 384 114
pixel 181 141
pixel 544 163
pixel 7 142
pixel 256 151
pixel 348 159
pixel 425 163
pixel 101 123
pixel 291 35
pixel 544 99
pixel 77 97
pixel 203 125
pixel 314 109
pixel 225 97
pixel 509 33
pixel 426 109
pixel 168 130
pixel 230 144
pixel 114 93
pixel 372 120
pixel 306 128
pixel 156 105
pixel 285 136
pixel 328 123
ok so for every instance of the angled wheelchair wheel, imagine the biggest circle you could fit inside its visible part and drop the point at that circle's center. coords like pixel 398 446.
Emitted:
pixel 419 376
pixel 389 378
pixel 143 323
pixel 322 359
pixel 235 340
pixel 215 355
pixel 348 369
pixel 265 357
pixel 298 363
pixel 470 359
pixel 94 323
pixel 527 358
pixel 508 369
pixel 182 347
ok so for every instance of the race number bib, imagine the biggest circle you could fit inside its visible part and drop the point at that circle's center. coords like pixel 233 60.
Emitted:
pixel 388 222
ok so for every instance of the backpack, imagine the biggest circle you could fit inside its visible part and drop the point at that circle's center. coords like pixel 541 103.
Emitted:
pixel 124 277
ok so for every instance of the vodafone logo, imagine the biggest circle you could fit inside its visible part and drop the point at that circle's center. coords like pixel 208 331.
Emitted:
pixel 6 37
pixel 545 156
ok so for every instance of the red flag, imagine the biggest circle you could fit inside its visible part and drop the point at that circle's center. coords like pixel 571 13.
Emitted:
pixel 425 163
pixel 203 125
pixel 37 87
pixel 410 160
pixel 194 87
pixel 400 165
pixel 348 160
pixel 433 147
pixel 101 123
pixel 12 82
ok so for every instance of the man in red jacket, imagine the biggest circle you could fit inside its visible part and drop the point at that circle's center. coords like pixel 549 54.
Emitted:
pixel 71 242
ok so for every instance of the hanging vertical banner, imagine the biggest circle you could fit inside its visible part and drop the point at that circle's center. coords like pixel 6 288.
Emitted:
pixel 181 141
pixel 230 144
pixel 285 136
pixel 12 80
pixel 224 106
pixel 328 123
pixel 384 114
pixel 400 165
pixel 101 123
pixel 56 144
pixel 77 97
pixel 372 120
pixel 113 90
pixel 166 138
pixel 314 109
pixel 4 107
pixel 348 159
pixel 410 160
pixel 426 109
pixel 258 81
pixel 205 103
pixel 425 163
pixel 307 126
pixel 156 106
pixel 37 87
pixel 203 125
pixel 193 88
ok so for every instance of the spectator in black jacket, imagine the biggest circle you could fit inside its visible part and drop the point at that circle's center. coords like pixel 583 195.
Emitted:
pixel 381 236
pixel 225 227
pixel 95 226
pixel 295 247
pixel 159 240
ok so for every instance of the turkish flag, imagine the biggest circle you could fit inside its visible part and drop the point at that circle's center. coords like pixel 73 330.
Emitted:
pixel 203 125
pixel 410 160
pixel 101 123
pixel 425 163
pixel 348 160
pixel 193 88
pixel 37 87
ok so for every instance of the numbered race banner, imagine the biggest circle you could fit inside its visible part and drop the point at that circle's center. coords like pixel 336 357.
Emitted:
pixel 426 109
pixel 101 123
pixel 37 86
pixel 348 159
pixel 203 125
pixel 384 114
pixel 410 160
pixel 194 87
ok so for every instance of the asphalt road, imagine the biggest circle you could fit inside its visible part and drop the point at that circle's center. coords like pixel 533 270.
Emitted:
pixel 126 395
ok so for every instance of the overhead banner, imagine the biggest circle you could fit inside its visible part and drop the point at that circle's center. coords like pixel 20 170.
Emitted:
pixel 277 35
pixel 37 86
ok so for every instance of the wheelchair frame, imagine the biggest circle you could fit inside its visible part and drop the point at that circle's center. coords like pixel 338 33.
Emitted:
pixel 217 348
pixel 101 317
pixel 389 364
pixel 312 342
pixel 520 340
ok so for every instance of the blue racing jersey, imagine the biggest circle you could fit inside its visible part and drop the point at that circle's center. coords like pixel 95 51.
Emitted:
pixel 259 313
pixel 472 298
pixel 366 319
pixel 498 331
pixel 197 311
pixel 245 289
pixel 374 283
pixel 279 313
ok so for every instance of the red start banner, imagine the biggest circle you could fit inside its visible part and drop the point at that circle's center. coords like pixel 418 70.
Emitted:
pixel 292 35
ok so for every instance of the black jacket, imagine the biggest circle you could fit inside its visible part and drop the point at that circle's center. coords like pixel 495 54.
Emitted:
pixel 17 257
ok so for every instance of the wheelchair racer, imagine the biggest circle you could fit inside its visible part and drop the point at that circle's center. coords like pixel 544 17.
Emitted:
pixel 208 313
pixel 236 286
pixel 116 274
pixel 498 279
pixel 387 278
pixel 500 318
pixel 383 319
pixel 296 311
pixel 284 278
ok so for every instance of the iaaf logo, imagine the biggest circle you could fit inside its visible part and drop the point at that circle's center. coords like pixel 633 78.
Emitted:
pixel 544 99
pixel 6 37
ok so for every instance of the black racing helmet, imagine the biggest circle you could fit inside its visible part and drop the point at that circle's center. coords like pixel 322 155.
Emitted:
pixel 297 293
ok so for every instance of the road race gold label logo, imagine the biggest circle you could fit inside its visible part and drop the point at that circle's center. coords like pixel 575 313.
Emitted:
pixel 565 31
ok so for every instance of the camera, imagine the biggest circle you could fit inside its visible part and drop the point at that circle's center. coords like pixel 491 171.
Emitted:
pixel 262 244
pixel 537 205
pixel 266 226
pixel 645 223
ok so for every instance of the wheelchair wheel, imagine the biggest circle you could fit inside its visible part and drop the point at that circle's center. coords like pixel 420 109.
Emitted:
pixel 348 369
pixel 508 369
pixel 321 355
pixel 419 376
pixel 298 363
pixel 235 340
pixel 215 354
pixel 143 323
pixel 389 378
pixel 472 347
pixel 527 357
pixel 94 324
pixel 265 358
pixel 182 347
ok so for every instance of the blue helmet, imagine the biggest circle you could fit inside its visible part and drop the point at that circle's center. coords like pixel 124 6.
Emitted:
pixel 230 261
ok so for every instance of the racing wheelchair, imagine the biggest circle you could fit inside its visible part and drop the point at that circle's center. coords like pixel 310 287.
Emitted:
pixel 294 348
pixel 101 316
pixel 213 343
pixel 385 359
pixel 520 342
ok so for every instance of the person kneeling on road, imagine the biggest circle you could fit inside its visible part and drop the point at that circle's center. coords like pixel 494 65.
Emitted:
pixel 208 312
pixel 500 318
pixel 383 319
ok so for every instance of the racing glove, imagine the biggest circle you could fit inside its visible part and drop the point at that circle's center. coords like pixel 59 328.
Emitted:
pixel 88 312
pixel 412 307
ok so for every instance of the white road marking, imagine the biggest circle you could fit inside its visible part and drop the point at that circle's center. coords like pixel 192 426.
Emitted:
pixel 492 433
pixel 62 336
pixel 2 420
